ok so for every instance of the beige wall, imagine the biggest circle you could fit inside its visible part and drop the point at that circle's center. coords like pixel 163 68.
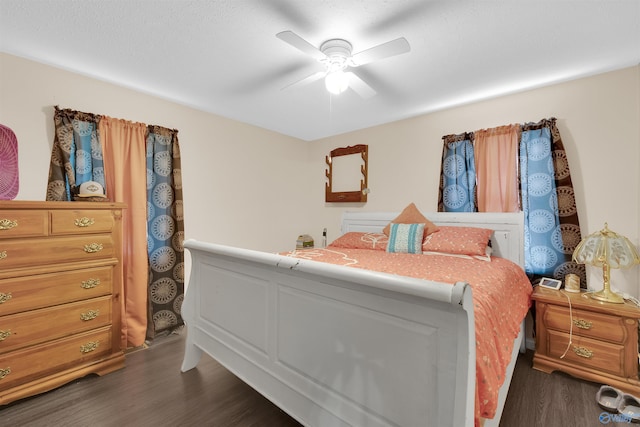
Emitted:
pixel 249 187
pixel 599 121
pixel 243 185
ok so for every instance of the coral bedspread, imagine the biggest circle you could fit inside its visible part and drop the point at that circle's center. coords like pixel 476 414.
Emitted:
pixel 501 297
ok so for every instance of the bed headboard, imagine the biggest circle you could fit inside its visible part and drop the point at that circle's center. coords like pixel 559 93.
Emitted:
pixel 507 240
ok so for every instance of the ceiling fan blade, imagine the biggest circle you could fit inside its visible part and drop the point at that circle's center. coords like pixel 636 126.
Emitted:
pixel 305 81
pixel 359 86
pixel 384 50
pixel 301 44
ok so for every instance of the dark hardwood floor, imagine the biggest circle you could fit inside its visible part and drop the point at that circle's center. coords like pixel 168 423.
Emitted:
pixel 151 391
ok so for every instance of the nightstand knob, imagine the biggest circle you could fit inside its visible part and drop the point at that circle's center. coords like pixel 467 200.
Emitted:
pixel 582 324
pixel 4 372
pixel 89 347
pixel 583 352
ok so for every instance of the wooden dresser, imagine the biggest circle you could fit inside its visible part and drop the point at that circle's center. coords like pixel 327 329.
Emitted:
pixel 604 338
pixel 60 289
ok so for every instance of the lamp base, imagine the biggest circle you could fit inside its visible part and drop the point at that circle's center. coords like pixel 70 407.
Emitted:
pixel 607 295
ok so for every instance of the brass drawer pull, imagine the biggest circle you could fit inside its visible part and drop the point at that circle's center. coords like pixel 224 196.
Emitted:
pixel 90 283
pixel 5 334
pixel 3 255
pixel 89 347
pixel 89 315
pixel 583 352
pixel 84 222
pixel 4 372
pixel 4 297
pixel 582 324
pixel 8 224
pixel 93 248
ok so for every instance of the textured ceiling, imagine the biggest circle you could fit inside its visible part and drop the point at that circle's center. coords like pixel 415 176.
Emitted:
pixel 223 57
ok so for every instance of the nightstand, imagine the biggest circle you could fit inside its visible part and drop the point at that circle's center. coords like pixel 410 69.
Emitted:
pixel 604 338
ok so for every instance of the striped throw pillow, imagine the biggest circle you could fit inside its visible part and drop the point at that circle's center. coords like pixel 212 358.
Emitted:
pixel 405 238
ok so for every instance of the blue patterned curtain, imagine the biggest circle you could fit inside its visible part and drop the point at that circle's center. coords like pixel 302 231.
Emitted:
pixel 552 228
pixel 540 204
pixel 76 156
pixel 458 175
pixel 165 225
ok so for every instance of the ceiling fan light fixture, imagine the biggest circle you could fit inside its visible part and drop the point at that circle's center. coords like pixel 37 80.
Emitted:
pixel 336 82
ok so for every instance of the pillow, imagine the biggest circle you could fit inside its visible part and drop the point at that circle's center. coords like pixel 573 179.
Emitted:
pixel 411 215
pixel 459 240
pixel 405 238
pixel 361 240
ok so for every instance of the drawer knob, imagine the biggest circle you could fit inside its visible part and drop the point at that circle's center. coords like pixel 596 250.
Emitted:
pixel 4 372
pixel 90 283
pixel 89 347
pixel 4 297
pixel 84 222
pixel 583 352
pixel 3 255
pixel 89 315
pixel 582 324
pixel 4 335
pixel 93 248
pixel 8 224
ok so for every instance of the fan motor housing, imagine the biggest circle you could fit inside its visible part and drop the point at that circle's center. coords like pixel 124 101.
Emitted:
pixel 338 51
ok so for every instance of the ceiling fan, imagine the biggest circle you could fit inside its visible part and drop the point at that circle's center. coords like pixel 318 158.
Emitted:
pixel 336 56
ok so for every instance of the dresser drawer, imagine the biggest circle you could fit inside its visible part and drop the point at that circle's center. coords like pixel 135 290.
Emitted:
pixel 81 221
pixel 37 326
pixel 602 356
pixel 586 323
pixel 19 253
pixel 23 223
pixel 44 290
pixel 26 365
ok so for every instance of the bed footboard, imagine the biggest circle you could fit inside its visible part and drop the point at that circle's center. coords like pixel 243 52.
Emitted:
pixel 334 345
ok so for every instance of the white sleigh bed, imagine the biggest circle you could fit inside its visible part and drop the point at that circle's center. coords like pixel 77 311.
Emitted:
pixel 339 346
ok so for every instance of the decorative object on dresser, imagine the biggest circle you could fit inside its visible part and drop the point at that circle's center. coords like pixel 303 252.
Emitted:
pixel 9 177
pixel 606 249
pixel 587 338
pixel 60 290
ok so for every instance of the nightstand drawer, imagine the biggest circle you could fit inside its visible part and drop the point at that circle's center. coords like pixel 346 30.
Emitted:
pixel 585 323
pixel 605 357
pixel 21 223
pixel 34 327
pixel 81 221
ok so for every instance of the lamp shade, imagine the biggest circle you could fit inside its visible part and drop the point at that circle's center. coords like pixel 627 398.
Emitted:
pixel 336 82
pixel 606 247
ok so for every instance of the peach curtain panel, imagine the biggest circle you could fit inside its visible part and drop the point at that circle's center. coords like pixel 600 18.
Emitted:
pixel 125 174
pixel 496 155
pixel 520 167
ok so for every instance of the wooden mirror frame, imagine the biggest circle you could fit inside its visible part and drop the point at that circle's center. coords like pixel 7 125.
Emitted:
pixel 358 196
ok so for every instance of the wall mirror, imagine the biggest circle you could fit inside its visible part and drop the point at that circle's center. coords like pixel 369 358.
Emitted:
pixel 347 174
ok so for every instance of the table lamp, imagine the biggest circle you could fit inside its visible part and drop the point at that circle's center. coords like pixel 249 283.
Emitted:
pixel 606 249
